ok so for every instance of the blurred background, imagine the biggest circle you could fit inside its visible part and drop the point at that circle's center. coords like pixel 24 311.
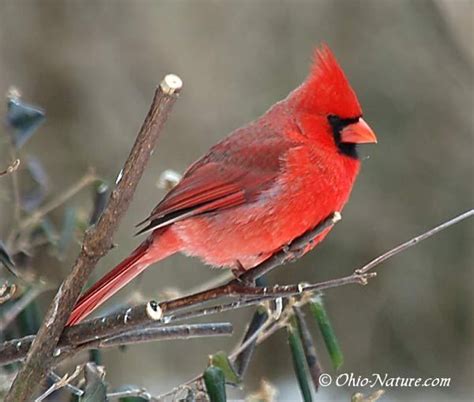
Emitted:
pixel 93 67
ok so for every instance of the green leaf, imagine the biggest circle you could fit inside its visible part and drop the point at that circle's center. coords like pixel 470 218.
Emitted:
pixel 95 356
pixel 309 347
pixel 35 193
pixel 214 379
pixel 332 344
pixel 221 360
pixel 299 365
pixel 24 119
pixel 96 389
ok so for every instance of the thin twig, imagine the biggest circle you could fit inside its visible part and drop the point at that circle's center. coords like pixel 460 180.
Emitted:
pixel 15 186
pixel 138 316
pixel 16 349
pixel 360 276
pixel 88 178
pixel 145 335
pixel 97 242
pixel 72 388
pixel 6 292
pixel 137 392
pixel 11 168
pixel 62 382
pixel 292 252
pixel 415 240
pixel 251 339
pixel 12 312
pixel 166 333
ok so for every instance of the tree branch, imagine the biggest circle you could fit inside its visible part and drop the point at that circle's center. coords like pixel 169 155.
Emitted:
pixel 139 315
pixel 97 242
pixel 11 168
pixel 136 318
pixel 16 349
pixel 36 217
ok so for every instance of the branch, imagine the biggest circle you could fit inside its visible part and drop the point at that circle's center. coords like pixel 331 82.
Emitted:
pixel 292 252
pixel 10 313
pixel 16 349
pixel 360 276
pixel 6 292
pixel 139 315
pixel 152 334
pixel 36 217
pixel 11 168
pixel 60 383
pixel 97 242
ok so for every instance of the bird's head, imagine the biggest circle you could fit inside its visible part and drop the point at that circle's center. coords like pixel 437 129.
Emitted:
pixel 327 98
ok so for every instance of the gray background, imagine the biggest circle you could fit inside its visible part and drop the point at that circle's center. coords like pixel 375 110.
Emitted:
pixel 94 65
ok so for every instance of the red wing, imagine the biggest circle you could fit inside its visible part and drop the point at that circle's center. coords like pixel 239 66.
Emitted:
pixel 233 172
pixel 210 187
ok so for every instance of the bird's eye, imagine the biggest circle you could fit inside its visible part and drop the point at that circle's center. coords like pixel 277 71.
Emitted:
pixel 337 123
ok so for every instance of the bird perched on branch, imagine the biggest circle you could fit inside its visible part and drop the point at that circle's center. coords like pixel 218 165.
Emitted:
pixel 258 189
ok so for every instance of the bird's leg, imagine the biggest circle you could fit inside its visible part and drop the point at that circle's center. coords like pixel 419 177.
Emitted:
pixel 293 252
pixel 238 270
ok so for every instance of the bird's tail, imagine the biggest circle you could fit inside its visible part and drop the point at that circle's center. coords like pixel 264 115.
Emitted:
pixel 144 255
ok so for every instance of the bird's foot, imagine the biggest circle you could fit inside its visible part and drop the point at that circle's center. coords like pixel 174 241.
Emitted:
pixel 238 271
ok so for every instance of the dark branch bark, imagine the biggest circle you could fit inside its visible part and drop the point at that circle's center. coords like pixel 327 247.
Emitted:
pixel 97 242
pixel 16 349
pixel 138 317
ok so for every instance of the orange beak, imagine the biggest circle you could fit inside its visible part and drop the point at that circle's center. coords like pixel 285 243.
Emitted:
pixel 358 133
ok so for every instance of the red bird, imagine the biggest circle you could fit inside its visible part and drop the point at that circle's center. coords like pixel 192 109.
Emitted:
pixel 258 189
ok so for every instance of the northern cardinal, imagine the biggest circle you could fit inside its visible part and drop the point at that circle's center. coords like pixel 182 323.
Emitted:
pixel 258 189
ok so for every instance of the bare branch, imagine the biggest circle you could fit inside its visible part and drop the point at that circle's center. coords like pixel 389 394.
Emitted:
pixel 97 242
pixel 16 349
pixel 137 392
pixel 138 316
pixel 292 252
pixel 72 388
pixel 410 243
pixel 148 334
pixel 360 276
pixel 19 305
pixel 36 217
pixel 166 333
pixel 6 292
pixel 62 382
pixel 11 168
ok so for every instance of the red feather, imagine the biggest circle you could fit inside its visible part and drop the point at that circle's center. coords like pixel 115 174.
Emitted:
pixel 258 189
